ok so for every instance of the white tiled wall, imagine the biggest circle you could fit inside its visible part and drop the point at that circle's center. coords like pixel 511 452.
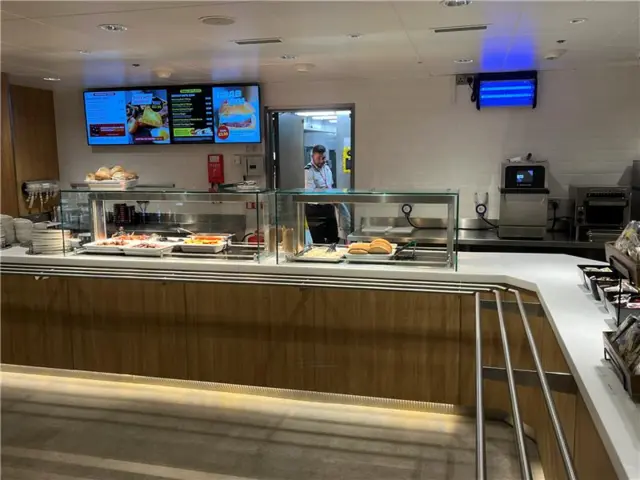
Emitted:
pixel 421 134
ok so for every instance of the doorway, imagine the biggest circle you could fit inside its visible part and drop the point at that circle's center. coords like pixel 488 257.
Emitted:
pixel 293 132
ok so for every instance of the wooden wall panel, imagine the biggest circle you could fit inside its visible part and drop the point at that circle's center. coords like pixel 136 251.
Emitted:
pixel 128 326
pixel 592 460
pixel 388 344
pixel 34 138
pixel 35 322
pixel 8 191
pixel 250 334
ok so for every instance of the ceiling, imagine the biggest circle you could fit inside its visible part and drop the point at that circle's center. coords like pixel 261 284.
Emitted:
pixel 43 39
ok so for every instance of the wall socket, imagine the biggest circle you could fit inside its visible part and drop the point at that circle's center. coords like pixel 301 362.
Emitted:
pixel 463 79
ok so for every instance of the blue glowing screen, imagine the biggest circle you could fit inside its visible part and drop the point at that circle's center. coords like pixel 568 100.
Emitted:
pixel 507 93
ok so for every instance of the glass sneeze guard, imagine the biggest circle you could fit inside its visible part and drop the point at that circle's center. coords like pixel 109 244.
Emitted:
pixel 244 218
pixel 364 215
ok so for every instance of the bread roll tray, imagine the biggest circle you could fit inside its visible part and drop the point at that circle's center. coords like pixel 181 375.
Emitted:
pixel 112 185
pixel 372 257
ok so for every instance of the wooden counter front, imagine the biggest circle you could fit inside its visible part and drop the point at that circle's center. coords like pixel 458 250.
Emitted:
pixel 401 345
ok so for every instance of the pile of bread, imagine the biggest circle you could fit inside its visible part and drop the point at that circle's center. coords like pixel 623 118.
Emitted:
pixel 379 246
pixel 113 173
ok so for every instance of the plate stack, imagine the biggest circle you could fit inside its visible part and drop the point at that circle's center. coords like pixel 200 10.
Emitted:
pixel 23 228
pixel 6 227
pixel 49 241
pixel 3 239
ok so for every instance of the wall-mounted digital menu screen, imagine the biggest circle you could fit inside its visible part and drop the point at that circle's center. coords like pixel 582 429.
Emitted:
pixel 191 111
pixel 237 114
pixel 127 117
pixel 173 115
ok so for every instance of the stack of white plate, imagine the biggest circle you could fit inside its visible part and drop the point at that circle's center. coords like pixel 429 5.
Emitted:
pixel 3 239
pixel 49 241
pixel 6 226
pixel 23 228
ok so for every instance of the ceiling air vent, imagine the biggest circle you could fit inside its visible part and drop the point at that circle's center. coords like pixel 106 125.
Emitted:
pixel 258 41
pixel 460 28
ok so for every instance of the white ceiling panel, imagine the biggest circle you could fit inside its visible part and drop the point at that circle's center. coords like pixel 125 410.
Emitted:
pixel 52 8
pixel 396 39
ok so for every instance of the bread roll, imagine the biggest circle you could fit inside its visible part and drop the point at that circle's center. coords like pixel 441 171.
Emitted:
pixel 358 248
pixel 380 248
pixel 130 175
pixel 116 169
pixel 380 241
pixel 119 176
pixel 103 173
pixel 90 177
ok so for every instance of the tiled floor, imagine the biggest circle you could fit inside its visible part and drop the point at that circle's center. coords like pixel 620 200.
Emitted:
pixel 57 428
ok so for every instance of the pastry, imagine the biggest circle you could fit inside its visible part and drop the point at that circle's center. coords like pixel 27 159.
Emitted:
pixel 130 175
pixel 116 169
pixel 90 177
pixel 151 118
pixel 358 248
pixel 119 176
pixel 103 173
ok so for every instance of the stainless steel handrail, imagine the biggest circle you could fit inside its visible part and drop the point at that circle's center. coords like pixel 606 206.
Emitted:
pixel 546 391
pixel 525 468
pixel 481 465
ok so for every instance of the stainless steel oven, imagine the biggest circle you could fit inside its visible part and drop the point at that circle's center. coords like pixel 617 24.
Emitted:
pixel 600 208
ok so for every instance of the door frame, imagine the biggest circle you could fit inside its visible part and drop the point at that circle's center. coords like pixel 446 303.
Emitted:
pixel 271 133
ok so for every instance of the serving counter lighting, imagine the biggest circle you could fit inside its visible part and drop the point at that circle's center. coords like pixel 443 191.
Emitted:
pixel 304 235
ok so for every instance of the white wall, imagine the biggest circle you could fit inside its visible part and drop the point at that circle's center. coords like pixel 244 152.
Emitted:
pixel 421 134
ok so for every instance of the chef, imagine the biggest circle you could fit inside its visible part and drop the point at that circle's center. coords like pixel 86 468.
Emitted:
pixel 322 218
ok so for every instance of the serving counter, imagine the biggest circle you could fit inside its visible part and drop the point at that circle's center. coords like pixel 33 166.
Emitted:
pixel 386 331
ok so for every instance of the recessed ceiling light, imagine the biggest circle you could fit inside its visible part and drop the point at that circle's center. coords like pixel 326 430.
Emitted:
pixel 575 21
pixel 112 27
pixel 217 20
pixel 51 79
pixel 455 3
pixel 354 35
pixel 463 60
pixel 304 67
pixel 288 57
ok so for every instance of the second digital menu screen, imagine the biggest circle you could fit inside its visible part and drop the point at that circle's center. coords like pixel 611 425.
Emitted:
pixel 191 114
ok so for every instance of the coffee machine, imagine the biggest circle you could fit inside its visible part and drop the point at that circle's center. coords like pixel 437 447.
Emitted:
pixel 524 200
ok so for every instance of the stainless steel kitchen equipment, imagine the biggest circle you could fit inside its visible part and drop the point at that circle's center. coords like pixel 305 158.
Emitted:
pixel 598 207
pixel 524 198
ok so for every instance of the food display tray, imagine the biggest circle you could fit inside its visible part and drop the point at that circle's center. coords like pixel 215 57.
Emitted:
pixel 94 247
pixel 372 257
pixel 148 252
pixel 301 258
pixel 115 185
pixel 630 382
pixel 195 248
